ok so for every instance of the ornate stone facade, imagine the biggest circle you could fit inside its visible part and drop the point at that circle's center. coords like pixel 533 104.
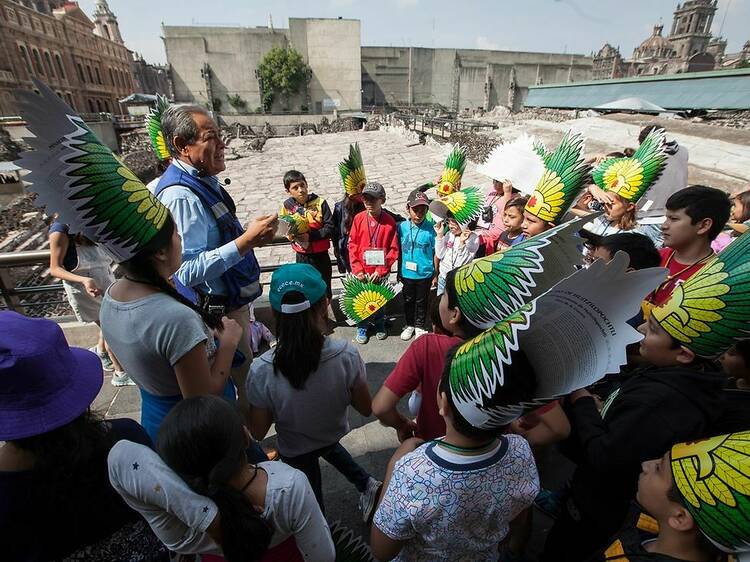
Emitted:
pixel 85 62
pixel 689 47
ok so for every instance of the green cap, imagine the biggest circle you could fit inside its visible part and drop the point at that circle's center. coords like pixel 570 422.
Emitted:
pixel 300 277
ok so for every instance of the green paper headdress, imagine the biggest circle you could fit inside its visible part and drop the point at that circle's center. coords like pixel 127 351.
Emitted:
pixel 452 171
pixel 349 547
pixel 153 126
pixel 566 339
pixel 352 170
pixel 710 311
pixel 562 180
pixel 631 177
pixel 362 298
pixel 79 178
pixel 491 288
pixel 713 478
pixel 464 205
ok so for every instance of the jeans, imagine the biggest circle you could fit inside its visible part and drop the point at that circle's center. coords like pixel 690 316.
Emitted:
pixel 415 293
pixel 376 320
pixel 339 458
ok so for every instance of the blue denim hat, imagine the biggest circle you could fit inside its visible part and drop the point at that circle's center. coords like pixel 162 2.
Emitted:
pixel 300 277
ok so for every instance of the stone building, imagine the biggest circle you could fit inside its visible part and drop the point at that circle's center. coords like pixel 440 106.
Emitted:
pixel 151 78
pixel 689 47
pixel 85 62
pixel 214 66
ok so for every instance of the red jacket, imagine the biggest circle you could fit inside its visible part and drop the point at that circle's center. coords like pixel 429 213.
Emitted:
pixel 368 233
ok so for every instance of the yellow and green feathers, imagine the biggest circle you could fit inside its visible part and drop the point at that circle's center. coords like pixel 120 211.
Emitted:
pixel 362 298
pixel 562 180
pixel 153 126
pixel 711 310
pixel 631 177
pixel 450 179
pixel 352 170
pixel 713 478
pixel 79 178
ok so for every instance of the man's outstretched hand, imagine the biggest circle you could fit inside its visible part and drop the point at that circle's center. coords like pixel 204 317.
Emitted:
pixel 261 230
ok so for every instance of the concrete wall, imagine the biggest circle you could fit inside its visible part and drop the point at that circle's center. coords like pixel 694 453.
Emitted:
pixel 233 55
pixel 458 78
pixel 331 47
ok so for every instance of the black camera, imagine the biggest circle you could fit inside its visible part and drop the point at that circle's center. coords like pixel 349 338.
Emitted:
pixel 487 214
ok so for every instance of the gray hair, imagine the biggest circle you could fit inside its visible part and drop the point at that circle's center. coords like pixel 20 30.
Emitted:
pixel 177 121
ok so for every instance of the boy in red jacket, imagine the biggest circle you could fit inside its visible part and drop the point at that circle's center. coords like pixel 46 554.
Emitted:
pixel 373 248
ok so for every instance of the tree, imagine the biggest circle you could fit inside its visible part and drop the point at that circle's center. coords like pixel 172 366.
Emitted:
pixel 282 72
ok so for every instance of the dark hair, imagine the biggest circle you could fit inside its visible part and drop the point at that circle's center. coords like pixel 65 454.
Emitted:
pixel 519 202
pixel 639 247
pixel 647 129
pixel 742 348
pixel 291 177
pixel 140 266
pixel 702 202
pixel 469 330
pixel 69 464
pixel 299 341
pixel 351 208
pixel 702 543
pixel 744 199
pixel 518 386
pixel 437 323
pixel 616 154
pixel 203 440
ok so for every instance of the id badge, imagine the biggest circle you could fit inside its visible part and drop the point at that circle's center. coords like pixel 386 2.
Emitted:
pixel 374 257
pixel 410 265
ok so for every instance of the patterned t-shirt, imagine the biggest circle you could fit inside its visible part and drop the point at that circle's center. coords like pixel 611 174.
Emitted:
pixel 450 507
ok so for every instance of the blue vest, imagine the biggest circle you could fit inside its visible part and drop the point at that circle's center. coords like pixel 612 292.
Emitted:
pixel 243 280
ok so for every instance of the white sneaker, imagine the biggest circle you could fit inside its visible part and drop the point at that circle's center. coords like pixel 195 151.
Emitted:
pixel 121 379
pixel 407 333
pixel 368 498
pixel 419 332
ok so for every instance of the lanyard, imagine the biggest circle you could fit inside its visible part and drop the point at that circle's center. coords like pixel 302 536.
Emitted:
pixel 413 239
pixel 373 236
pixel 672 276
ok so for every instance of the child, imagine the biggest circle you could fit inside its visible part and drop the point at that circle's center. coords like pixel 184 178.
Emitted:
pixel 513 222
pixel 686 526
pixel 311 246
pixel 736 364
pixel 454 249
pixel 639 247
pixel 373 249
pixel 417 238
pixel 695 216
pixel 85 271
pixel 559 187
pixel 420 368
pixel 678 398
pixel 306 383
pixel 487 479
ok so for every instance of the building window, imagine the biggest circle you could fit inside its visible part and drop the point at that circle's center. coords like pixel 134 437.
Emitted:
pixel 70 100
pixel 60 68
pixel 99 106
pixel 81 77
pixel 111 77
pixel 92 109
pixel 88 73
pixel 98 76
pixel 48 62
pixel 24 20
pixel 25 57
pixel 37 25
pixel 10 15
pixel 106 106
pixel 37 61
pixel 48 29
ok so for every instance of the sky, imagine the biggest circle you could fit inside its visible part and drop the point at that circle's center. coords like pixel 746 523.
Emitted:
pixel 559 26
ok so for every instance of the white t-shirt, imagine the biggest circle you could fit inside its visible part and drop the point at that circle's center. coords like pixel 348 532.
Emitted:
pixel 453 253
pixel 450 507
pixel 179 517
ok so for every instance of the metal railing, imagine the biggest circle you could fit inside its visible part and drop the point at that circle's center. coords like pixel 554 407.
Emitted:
pixel 439 126
pixel 13 296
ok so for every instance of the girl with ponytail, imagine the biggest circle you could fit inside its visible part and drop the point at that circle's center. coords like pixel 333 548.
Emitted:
pixel 167 345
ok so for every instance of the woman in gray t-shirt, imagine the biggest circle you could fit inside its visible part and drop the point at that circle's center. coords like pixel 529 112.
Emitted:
pixel 307 382
pixel 164 342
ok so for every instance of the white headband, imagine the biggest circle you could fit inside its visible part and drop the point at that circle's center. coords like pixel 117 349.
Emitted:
pixel 296 307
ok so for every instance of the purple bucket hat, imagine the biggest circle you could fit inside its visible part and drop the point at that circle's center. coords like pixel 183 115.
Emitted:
pixel 44 383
